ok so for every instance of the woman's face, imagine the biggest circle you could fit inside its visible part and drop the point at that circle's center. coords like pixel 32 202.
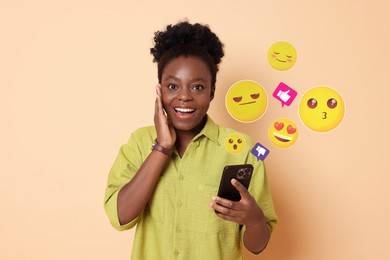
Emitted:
pixel 186 92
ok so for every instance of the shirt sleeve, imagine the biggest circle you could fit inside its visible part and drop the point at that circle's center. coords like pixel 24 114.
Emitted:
pixel 125 166
pixel 260 190
pixel 264 197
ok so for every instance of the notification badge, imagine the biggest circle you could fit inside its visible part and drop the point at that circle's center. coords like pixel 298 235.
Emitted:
pixel 284 94
pixel 260 152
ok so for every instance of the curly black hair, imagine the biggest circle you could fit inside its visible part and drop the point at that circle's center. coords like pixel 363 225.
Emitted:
pixel 185 39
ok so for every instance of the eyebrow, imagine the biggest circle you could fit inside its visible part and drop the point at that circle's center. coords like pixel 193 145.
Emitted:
pixel 195 79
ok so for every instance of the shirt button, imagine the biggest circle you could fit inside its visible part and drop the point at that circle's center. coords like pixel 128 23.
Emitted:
pixel 181 178
pixel 178 229
pixel 179 204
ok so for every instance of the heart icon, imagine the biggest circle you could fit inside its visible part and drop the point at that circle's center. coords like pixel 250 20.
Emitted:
pixel 278 126
pixel 291 129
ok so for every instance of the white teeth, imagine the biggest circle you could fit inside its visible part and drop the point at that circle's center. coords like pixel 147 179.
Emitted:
pixel 184 110
pixel 282 136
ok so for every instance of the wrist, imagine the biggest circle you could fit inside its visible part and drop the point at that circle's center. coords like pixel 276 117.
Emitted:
pixel 259 222
pixel 164 143
pixel 167 150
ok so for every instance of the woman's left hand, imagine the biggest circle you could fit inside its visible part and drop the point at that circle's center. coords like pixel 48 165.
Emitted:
pixel 245 212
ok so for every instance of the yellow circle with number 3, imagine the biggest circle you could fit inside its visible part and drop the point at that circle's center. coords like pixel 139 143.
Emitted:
pixel 321 109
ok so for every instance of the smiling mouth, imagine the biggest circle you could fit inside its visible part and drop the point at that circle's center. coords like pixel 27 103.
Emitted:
pixel 247 103
pixel 184 112
pixel 281 60
pixel 282 138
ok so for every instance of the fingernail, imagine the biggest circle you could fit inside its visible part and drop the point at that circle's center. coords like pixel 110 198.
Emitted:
pixel 211 204
pixel 214 198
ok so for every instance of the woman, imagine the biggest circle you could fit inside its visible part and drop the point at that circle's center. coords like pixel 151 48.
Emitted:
pixel 165 179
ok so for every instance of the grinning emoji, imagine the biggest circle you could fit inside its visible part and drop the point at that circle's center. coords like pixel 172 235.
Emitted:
pixel 283 133
pixel 235 143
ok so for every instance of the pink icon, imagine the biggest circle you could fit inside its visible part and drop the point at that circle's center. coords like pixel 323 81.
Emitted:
pixel 284 94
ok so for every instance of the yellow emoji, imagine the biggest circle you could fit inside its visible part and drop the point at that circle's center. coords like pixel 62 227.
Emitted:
pixel 235 143
pixel 246 101
pixel 282 55
pixel 283 133
pixel 321 109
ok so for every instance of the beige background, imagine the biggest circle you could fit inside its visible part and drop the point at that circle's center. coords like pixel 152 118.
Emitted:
pixel 76 78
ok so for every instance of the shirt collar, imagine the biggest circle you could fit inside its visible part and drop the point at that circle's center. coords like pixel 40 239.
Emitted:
pixel 210 130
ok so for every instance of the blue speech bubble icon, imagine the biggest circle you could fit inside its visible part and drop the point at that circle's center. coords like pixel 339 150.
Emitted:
pixel 260 152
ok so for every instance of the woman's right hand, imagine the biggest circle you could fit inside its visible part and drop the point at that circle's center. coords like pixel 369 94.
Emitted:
pixel 166 134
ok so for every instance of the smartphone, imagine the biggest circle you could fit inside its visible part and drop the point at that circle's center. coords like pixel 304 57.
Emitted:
pixel 242 173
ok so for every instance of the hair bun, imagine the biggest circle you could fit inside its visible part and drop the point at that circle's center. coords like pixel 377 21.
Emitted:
pixel 184 33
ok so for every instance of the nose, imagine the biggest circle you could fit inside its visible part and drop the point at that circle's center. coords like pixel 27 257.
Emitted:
pixel 185 94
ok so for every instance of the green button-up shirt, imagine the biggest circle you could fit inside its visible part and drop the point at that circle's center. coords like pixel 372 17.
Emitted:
pixel 178 222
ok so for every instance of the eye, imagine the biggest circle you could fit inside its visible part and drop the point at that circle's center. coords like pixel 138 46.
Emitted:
pixel 332 103
pixel 172 86
pixel 197 87
pixel 230 141
pixel 255 96
pixel 277 53
pixel 237 99
pixel 289 56
pixel 312 103
pixel 239 141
